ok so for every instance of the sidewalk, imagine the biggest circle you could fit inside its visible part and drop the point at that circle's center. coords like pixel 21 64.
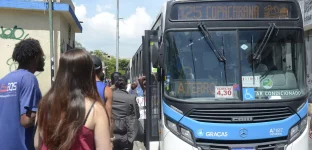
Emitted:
pixel 138 146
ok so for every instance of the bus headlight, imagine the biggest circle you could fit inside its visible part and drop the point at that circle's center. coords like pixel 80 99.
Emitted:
pixel 294 130
pixel 181 132
pixel 172 126
pixel 297 130
pixel 187 134
pixel 303 123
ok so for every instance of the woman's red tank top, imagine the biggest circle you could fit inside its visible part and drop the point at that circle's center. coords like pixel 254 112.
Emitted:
pixel 84 139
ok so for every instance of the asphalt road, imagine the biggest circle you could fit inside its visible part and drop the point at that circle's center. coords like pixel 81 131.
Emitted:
pixel 140 146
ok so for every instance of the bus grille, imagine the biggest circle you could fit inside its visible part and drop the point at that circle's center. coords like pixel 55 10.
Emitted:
pixel 245 115
pixel 267 144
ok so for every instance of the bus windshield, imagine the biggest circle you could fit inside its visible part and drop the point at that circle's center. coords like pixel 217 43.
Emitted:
pixel 193 70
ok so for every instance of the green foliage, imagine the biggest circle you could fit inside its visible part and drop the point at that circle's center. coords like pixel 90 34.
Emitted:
pixel 98 53
pixel 110 66
pixel 123 64
pixel 110 63
pixel 79 45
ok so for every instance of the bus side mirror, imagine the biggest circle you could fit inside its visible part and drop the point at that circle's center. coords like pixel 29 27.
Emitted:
pixel 155 54
pixel 161 55
pixel 156 50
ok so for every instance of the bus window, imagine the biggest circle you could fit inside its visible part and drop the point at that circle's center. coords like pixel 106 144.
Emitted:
pixel 132 70
pixel 193 70
pixel 141 63
pixel 137 65
pixel 279 66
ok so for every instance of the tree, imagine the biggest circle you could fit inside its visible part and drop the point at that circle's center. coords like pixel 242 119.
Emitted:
pixel 98 53
pixel 79 45
pixel 123 64
pixel 110 63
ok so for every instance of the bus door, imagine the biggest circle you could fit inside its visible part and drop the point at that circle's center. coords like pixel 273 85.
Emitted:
pixel 152 93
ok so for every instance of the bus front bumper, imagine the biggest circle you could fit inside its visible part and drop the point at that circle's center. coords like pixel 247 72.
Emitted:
pixel 301 143
pixel 172 142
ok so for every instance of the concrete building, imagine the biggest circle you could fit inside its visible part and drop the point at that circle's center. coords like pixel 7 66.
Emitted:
pixel 22 19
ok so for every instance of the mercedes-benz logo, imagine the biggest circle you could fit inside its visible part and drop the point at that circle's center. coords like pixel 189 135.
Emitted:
pixel 243 133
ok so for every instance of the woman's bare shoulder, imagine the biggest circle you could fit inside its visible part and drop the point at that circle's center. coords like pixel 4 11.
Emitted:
pixel 98 106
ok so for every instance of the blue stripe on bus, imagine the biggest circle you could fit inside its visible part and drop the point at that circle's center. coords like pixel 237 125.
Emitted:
pixel 223 131
pixel 304 110
pixel 171 113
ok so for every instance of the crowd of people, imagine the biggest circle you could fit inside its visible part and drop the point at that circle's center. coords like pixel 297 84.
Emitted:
pixel 79 112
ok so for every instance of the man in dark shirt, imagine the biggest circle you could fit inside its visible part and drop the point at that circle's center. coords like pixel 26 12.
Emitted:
pixel 126 114
pixel 114 77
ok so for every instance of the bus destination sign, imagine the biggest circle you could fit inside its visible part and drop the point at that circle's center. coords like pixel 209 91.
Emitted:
pixel 232 10
pixel 190 88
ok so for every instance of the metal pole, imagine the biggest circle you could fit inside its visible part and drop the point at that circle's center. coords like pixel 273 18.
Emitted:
pixel 51 40
pixel 117 38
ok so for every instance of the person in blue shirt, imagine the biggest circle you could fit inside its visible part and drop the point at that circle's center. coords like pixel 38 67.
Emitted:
pixel 132 88
pixel 19 97
pixel 105 93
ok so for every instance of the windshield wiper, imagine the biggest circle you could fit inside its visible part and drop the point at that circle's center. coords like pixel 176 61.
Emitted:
pixel 224 62
pixel 253 62
pixel 204 31
pixel 265 40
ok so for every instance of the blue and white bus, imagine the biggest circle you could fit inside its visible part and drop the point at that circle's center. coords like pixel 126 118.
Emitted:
pixel 225 75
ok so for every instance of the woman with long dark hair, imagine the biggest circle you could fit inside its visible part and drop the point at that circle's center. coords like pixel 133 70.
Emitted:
pixel 72 115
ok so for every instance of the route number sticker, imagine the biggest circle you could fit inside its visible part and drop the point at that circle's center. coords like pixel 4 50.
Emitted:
pixel 223 91
pixel 251 81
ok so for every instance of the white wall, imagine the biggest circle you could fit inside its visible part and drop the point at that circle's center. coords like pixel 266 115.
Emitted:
pixel 33 24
